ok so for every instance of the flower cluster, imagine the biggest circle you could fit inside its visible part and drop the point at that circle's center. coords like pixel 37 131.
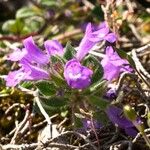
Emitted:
pixel 78 76
pixel 32 61
pixel 112 64
pixel 36 64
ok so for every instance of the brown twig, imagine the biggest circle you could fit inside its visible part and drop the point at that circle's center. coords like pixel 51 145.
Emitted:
pixel 34 145
pixel 88 4
pixel 129 5
pixel 68 34
pixel 135 32
pixel 43 122
pixel 13 140
pixel 78 135
pixel 49 143
pixel 106 10
pixel 14 105
pixel 93 128
pixel 144 75
pixel 14 38
pixel 37 100
pixel 139 135
pixel 143 48
pixel 60 127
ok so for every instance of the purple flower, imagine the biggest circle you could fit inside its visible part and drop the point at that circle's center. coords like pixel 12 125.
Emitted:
pixel 34 53
pixel 35 72
pixel 76 75
pixel 110 94
pixel 116 117
pixel 17 54
pixel 111 37
pixel 53 47
pixel 30 52
pixel 113 65
pixel 87 124
pixel 32 61
pixel 26 72
pixel 92 36
pixel 131 131
pixel 15 77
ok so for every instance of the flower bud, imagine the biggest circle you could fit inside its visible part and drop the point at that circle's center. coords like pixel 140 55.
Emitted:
pixel 148 119
pixel 129 113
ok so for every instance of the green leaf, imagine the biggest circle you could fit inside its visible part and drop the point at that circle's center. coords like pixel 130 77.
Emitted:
pixel 49 3
pixel 98 12
pixel 98 101
pixel 131 61
pixel 34 24
pixel 8 25
pixel 99 85
pixel 124 55
pixel 64 113
pixel 54 101
pixel 26 12
pixel 58 80
pixel 69 51
pixel 130 113
pixel 78 122
pixel 14 26
pixel 98 88
pixel 56 58
pixel 5 92
pixel 101 117
pixel 27 85
pixel 94 63
pixel 51 105
pixel 46 88
pixel 49 110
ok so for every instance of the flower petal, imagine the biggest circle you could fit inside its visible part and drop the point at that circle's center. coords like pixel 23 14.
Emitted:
pixel 76 75
pixel 85 44
pixel 111 37
pixel 34 53
pixel 36 73
pixel 53 47
pixel 110 71
pixel 114 114
pixel 17 54
pixel 131 132
pixel 15 77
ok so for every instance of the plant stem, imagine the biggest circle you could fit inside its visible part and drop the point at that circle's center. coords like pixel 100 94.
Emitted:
pixel 147 140
pixel 37 100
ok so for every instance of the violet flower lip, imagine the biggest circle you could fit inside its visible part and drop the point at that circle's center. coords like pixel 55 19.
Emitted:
pixel 76 75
